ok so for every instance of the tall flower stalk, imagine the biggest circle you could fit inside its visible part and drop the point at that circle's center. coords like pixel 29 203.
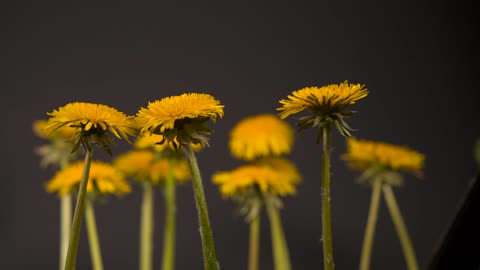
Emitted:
pixel 58 153
pixel 327 106
pixel 380 163
pixel 91 123
pixel 152 169
pixel 103 180
pixel 259 140
pixel 181 121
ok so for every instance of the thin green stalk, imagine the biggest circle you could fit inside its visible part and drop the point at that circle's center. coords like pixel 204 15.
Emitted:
pixel 254 245
pixel 370 229
pixel 79 209
pixel 401 228
pixel 65 220
pixel 95 253
pixel 146 227
pixel 168 262
pixel 208 245
pixel 326 215
pixel 65 226
pixel 279 244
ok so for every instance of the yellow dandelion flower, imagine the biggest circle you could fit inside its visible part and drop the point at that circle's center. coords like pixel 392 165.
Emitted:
pixel 327 105
pixel 103 178
pixel 90 118
pixel 362 154
pixel 151 141
pixel 181 171
pixel 135 164
pixel 260 136
pixel 275 176
pixel 40 129
pixel 180 117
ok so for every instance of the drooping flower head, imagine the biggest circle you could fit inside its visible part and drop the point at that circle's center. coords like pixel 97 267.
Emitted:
pixel 142 165
pixel 327 105
pixel 261 136
pixel 92 120
pixel 365 155
pixel 276 176
pixel 103 179
pixel 180 117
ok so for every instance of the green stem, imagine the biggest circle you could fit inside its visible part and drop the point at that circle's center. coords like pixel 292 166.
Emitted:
pixel 254 247
pixel 208 245
pixel 326 215
pixel 146 227
pixel 169 236
pixel 95 253
pixel 79 209
pixel 65 226
pixel 65 220
pixel 401 228
pixel 370 229
pixel 279 244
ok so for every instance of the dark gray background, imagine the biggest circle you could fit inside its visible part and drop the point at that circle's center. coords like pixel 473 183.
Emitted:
pixel 417 58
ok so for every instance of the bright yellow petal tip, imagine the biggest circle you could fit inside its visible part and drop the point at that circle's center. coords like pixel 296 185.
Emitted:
pixel 324 100
pixel 163 113
pixel 362 154
pixel 92 118
pixel 261 136
pixel 103 177
pixel 274 175
pixel 40 129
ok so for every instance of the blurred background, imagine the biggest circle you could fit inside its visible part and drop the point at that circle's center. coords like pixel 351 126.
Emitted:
pixel 418 59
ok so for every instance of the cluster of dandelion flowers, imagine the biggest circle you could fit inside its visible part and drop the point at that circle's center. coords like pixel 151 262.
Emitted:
pixel 276 176
pixel 327 105
pixel 142 165
pixel 103 179
pixel 259 136
pixel 363 154
pixel 180 117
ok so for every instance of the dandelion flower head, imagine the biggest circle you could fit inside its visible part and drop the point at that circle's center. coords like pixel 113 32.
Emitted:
pixel 261 136
pixel 103 178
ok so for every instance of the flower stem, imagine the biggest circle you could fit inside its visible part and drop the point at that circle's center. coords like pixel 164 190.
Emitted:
pixel 95 253
pixel 279 244
pixel 326 215
pixel 401 228
pixel 208 245
pixel 254 247
pixel 146 227
pixel 168 262
pixel 79 209
pixel 65 226
pixel 370 229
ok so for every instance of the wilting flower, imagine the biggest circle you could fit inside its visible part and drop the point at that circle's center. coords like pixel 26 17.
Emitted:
pixel 142 165
pixel 180 118
pixel 103 179
pixel 89 119
pixel 261 136
pixel 327 105
pixel 362 154
pixel 274 175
